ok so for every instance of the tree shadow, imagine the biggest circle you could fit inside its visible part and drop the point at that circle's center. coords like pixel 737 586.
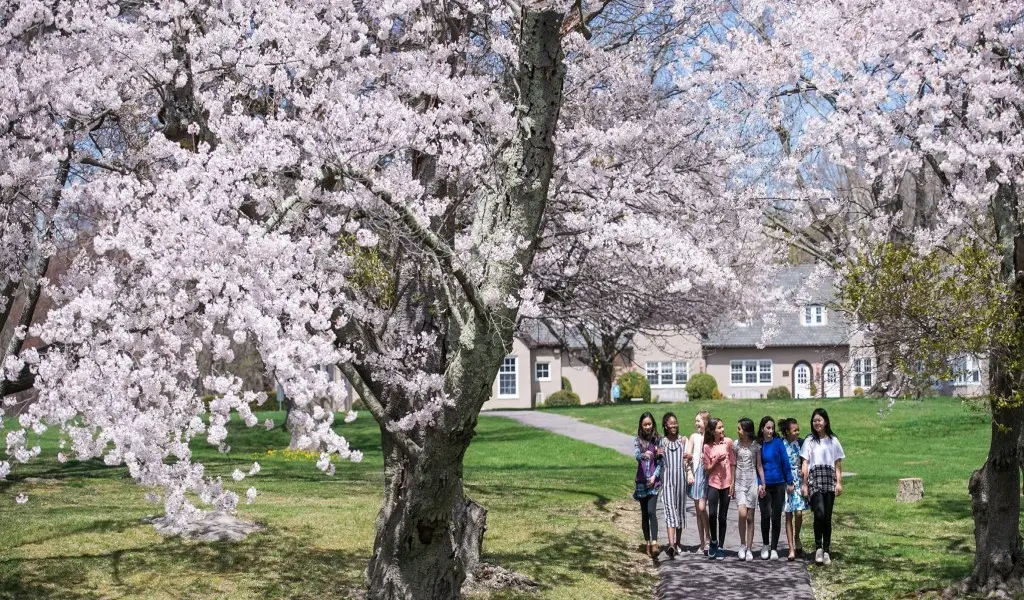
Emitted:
pixel 562 560
pixel 268 565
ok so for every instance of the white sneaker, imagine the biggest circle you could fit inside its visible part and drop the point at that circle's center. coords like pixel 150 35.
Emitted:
pixel 819 556
pixel 764 552
pixel 825 559
pixel 743 552
pixel 750 556
pixel 775 555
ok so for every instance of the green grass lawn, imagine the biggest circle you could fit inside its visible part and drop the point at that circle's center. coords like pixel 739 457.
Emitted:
pixel 560 513
pixel 881 549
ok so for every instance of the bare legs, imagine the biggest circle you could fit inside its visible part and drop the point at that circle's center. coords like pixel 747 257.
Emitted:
pixel 746 525
pixel 794 521
pixel 700 506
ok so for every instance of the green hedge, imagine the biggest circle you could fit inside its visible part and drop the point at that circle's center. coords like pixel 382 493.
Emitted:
pixel 562 398
pixel 701 386
pixel 633 384
pixel 779 392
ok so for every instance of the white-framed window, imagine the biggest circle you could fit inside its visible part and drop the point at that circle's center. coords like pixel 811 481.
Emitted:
pixel 814 315
pixel 542 371
pixel 508 378
pixel 966 370
pixel 668 373
pixel 863 372
pixel 750 372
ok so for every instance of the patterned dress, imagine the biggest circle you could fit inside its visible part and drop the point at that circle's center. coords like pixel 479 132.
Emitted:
pixel 699 489
pixel 673 482
pixel 795 501
pixel 746 472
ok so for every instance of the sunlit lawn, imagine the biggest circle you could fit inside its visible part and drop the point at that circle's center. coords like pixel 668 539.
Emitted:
pixel 881 549
pixel 557 514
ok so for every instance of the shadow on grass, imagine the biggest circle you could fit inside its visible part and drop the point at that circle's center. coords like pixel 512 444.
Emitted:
pixel 268 565
pixel 562 560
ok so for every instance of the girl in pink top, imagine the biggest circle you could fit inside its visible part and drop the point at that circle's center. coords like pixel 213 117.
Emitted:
pixel 719 459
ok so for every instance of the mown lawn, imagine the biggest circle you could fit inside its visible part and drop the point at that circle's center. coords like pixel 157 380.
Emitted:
pixel 559 513
pixel 881 549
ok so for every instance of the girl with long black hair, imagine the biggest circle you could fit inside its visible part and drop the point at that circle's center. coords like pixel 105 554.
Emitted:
pixel 822 480
pixel 648 478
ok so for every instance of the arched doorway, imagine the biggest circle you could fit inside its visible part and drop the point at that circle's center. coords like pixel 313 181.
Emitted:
pixel 832 377
pixel 802 380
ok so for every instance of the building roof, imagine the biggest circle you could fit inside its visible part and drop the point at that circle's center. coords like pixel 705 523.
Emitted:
pixel 536 334
pixel 790 331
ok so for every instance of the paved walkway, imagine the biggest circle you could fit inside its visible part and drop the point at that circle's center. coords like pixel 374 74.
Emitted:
pixel 692 576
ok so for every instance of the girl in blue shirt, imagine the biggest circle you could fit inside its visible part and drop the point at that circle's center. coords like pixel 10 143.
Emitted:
pixel 778 479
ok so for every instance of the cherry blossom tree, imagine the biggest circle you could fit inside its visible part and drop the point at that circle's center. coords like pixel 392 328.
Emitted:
pixel 336 183
pixel 920 102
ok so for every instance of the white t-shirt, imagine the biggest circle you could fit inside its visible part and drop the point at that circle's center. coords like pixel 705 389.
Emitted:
pixel 821 452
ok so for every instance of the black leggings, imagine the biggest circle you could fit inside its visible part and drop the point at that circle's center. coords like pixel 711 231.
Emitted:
pixel 821 505
pixel 649 516
pixel 718 506
pixel 771 512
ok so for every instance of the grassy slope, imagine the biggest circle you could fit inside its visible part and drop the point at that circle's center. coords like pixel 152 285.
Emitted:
pixel 881 549
pixel 558 513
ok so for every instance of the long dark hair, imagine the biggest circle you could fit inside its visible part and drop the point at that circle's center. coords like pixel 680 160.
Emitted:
pixel 709 431
pixel 748 428
pixel 645 441
pixel 760 428
pixel 828 424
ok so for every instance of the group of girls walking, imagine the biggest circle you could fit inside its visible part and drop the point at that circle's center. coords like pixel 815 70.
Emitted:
pixel 770 467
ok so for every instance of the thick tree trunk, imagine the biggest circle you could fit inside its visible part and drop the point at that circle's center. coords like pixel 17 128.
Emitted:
pixel 428 533
pixel 995 488
pixel 605 372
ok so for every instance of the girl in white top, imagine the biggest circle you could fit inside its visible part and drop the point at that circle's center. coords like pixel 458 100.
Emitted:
pixel 822 480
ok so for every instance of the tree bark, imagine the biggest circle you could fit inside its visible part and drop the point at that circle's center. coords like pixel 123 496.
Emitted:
pixel 428 532
pixel 605 372
pixel 995 488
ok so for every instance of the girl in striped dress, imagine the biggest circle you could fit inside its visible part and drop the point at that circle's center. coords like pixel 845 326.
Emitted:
pixel 673 482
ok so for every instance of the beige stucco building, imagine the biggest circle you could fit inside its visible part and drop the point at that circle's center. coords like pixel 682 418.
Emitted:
pixel 812 352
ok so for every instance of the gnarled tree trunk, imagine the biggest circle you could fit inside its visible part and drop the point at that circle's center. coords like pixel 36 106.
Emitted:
pixel 428 532
pixel 995 488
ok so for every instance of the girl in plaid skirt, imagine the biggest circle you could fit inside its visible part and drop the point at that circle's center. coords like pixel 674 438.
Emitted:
pixel 823 480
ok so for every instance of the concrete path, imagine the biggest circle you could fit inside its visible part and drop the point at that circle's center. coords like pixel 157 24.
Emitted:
pixel 692 576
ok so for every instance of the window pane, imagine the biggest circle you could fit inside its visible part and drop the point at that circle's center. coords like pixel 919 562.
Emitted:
pixel 682 372
pixel 652 373
pixel 736 366
pixel 666 373
pixel 867 380
pixel 543 371
pixel 736 378
pixel 807 315
pixel 751 377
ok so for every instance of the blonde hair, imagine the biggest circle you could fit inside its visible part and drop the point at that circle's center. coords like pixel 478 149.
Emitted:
pixel 704 416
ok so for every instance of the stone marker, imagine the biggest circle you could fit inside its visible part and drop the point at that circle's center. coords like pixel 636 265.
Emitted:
pixel 911 490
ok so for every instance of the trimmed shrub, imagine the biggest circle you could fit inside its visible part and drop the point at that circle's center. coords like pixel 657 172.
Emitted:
pixel 562 398
pixel 633 384
pixel 717 395
pixel 566 385
pixel 701 386
pixel 814 390
pixel 779 392
pixel 858 391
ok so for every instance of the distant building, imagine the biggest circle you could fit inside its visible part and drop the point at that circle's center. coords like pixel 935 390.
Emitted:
pixel 813 352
